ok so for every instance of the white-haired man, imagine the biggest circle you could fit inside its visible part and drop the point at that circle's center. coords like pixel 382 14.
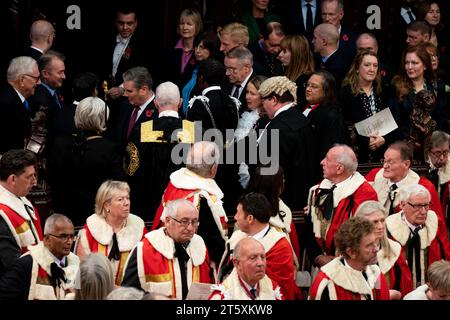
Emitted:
pixel 15 123
pixel 168 260
pixel 196 183
pixel 333 201
pixel 48 270
pixel 416 228
pixel 157 139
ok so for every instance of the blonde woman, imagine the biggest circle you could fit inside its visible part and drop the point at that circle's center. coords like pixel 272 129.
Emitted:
pixel 112 230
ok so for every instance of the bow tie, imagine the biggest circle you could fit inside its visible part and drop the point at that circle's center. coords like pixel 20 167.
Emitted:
pixel 58 275
pixel 121 40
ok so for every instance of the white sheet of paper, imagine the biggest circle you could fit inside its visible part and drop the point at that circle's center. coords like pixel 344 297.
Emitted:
pixel 383 122
pixel 199 291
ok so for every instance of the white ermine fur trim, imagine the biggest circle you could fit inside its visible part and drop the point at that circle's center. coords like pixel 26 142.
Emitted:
pixel 386 263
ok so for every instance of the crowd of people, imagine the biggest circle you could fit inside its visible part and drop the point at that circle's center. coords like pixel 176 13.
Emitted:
pixel 190 185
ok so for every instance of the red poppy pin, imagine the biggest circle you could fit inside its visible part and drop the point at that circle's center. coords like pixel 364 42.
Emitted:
pixel 383 72
pixel 127 53
pixel 192 62
pixel 149 113
pixel 345 37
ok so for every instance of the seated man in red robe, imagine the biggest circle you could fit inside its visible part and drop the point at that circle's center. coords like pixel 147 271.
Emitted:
pixel 171 258
pixel 196 184
pixel 396 176
pixel 416 229
pixel 333 201
pixel 248 280
pixel 354 275
pixel 252 219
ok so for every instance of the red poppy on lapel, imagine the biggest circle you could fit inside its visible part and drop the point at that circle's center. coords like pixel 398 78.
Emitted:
pixel 383 73
pixel 149 113
pixel 345 37
pixel 127 53
pixel 193 61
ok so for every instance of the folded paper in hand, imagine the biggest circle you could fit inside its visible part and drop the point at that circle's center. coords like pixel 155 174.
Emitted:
pixel 382 122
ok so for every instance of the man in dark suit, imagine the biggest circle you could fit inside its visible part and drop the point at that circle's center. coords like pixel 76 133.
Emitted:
pixel 138 84
pixel 294 147
pixel 239 70
pixel 42 35
pixel 15 124
pixel 333 12
pixel 328 55
pixel 295 16
pixel 266 50
pixel 48 101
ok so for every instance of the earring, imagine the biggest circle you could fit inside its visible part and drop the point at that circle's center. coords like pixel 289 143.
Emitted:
pixel 107 210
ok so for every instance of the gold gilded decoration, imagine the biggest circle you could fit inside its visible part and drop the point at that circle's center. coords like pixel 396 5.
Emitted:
pixel 22 228
pixel 101 249
pixel 120 273
pixel 195 274
pixel 148 135
pixel 187 135
pixel 133 164
pixel 165 277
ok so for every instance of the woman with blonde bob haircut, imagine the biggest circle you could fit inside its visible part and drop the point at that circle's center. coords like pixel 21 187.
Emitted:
pixel 390 260
pixel 96 278
pixel 112 231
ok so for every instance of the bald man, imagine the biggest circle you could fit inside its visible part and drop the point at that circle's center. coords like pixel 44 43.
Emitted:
pixel 248 280
pixel 42 35
pixel 196 183
pixel 333 201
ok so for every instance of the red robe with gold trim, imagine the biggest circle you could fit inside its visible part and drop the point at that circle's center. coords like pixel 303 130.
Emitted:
pixel 158 269
pixel 96 236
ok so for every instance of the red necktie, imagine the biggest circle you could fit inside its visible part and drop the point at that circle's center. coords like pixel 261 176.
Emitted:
pixel 132 121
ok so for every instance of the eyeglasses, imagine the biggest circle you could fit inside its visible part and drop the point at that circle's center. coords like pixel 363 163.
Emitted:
pixel 185 223
pixel 439 154
pixel 419 206
pixel 64 237
pixel 390 162
pixel 31 76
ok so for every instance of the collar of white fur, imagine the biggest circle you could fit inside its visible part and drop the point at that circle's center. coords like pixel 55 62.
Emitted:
pixel 16 204
pixel 186 179
pixel 444 173
pixel 351 279
pixel 42 256
pixel 269 240
pixel 345 190
pixel 166 246
pixel 127 237
pixel 286 222
pixel 387 262
pixel 400 231
pixel 381 185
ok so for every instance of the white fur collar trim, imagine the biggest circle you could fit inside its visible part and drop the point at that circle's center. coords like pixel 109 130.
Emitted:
pixel 186 179
pixel 127 238
pixel 345 190
pixel 42 256
pixel 400 231
pixel 165 245
pixel 386 263
pixel 231 289
pixel 350 279
pixel 16 203
pixel 381 186
pixel 286 222
pixel 444 173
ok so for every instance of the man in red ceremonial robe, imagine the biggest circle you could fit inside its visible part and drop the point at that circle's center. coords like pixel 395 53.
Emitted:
pixel 416 229
pixel 248 280
pixel 354 275
pixel 396 176
pixel 333 201
pixel 252 219
pixel 171 258
pixel 196 184
pixel 20 225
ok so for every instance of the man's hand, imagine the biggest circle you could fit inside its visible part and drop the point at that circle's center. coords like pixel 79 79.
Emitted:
pixel 115 92
pixel 323 260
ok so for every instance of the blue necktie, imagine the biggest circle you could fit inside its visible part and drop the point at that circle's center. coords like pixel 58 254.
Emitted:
pixel 26 105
